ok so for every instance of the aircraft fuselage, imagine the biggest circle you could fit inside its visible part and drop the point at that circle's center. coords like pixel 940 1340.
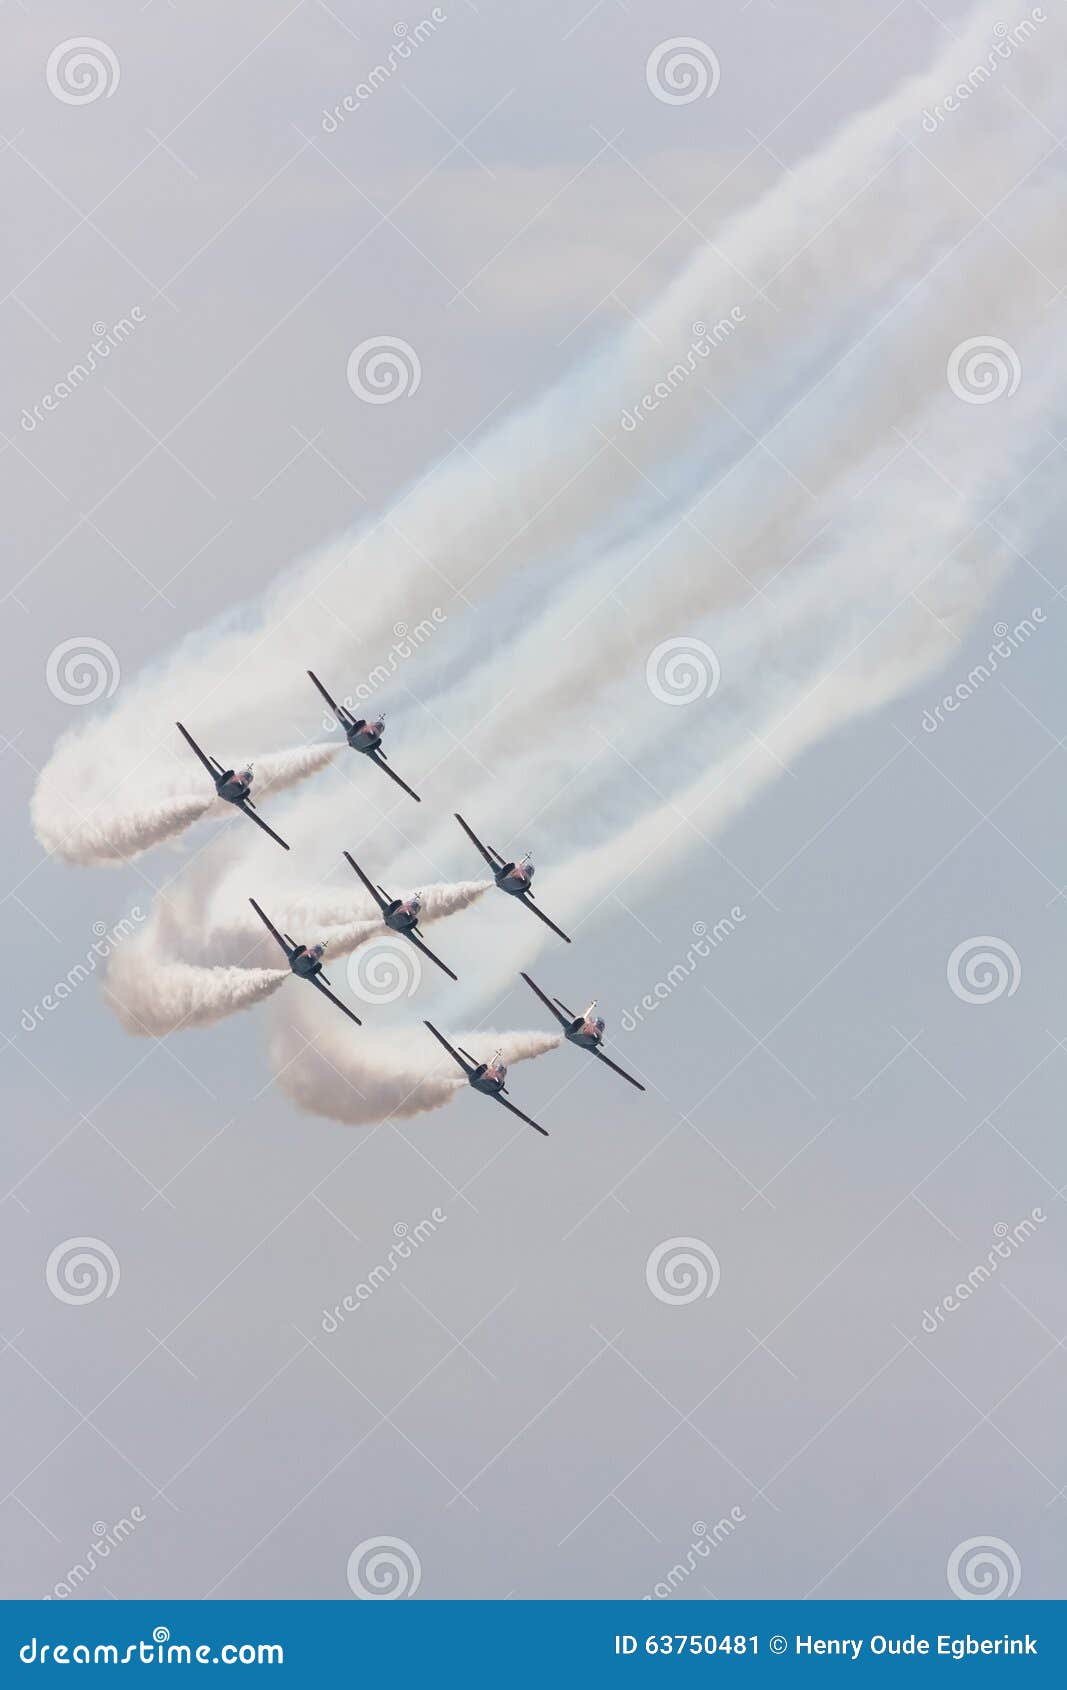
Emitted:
pixel 364 736
pixel 515 877
pixel 307 962
pixel 489 1077
pixel 402 915
pixel 234 787
pixel 585 1033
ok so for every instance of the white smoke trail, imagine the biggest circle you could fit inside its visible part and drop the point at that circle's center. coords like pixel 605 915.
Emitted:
pixel 779 662
pixel 759 525
pixel 387 1075
pixel 857 638
pixel 154 1002
pixel 842 636
pixel 318 913
pixel 600 623
pixel 552 473
pixel 154 991
pixel 100 839
pixel 780 659
pixel 125 821
pixel 480 527
pixel 595 679
pixel 202 955
pixel 276 771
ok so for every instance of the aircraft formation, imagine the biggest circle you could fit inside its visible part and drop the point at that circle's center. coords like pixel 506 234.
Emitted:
pixel 401 915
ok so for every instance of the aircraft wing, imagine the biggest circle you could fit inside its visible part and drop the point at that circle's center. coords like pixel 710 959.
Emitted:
pixel 269 925
pixel 191 743
pixel 420 945
pixel 379 761
pixel 549 1005
pixel 493 858
pixel 343 1007
pixel 608 1063
pixel 504 1102
pixel 251 814
pixel 338 709
pixel 371 888
pixel 452 1051
pixel 541 916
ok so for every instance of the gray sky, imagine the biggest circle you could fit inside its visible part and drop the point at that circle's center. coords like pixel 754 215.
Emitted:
pixel 841 1130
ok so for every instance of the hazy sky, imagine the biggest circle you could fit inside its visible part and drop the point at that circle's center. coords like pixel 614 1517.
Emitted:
pixel 845 1135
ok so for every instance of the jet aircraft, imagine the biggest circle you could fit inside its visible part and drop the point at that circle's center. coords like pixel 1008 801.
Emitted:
pixel 305 961
pixel 511 877
pixel 585 1030
pixel 401 914
pixel 234 785
pixel 486 1077
pixel 364 734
